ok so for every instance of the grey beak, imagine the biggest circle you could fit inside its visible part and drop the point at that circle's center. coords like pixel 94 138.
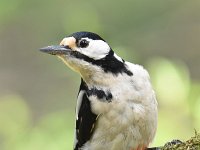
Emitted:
pixel 56 49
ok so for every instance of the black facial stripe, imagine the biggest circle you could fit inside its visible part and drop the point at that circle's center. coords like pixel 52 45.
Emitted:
pixel 108 64
pixel 101 95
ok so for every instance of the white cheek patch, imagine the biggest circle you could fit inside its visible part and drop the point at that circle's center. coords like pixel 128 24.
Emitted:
pixel 96 49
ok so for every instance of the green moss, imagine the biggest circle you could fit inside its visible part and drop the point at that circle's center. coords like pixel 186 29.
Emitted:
pixel 192 144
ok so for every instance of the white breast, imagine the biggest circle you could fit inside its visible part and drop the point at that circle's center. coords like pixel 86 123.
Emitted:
pixel 130 119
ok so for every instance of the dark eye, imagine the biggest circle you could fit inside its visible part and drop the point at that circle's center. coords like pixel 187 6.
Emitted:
pixel 83 43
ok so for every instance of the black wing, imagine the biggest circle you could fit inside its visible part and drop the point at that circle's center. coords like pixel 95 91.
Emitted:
pixel 86 119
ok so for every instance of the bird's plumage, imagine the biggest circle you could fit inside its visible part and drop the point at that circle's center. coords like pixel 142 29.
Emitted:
pixel 85 120
pixel 116 105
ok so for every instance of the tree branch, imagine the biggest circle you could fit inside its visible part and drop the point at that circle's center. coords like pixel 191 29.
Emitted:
pixel 192 144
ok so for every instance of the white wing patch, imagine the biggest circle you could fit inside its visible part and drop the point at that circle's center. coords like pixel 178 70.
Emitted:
pixel 78 105
pixel 79 101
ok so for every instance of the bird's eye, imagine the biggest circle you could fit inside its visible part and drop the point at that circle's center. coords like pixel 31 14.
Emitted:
pixel 83 43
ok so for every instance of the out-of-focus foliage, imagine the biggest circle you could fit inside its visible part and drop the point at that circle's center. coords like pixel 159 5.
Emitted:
pixel 38 93
pixel 17 132
pixel 173 86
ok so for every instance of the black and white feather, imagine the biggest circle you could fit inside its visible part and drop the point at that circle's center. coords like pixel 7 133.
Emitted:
pixel 116 105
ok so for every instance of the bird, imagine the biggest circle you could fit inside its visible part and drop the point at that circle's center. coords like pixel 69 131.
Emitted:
pixel 116 104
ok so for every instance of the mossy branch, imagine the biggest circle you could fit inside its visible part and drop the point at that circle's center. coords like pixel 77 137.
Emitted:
pixel 192 144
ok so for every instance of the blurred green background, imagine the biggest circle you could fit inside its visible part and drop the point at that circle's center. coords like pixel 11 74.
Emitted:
pixel 38 93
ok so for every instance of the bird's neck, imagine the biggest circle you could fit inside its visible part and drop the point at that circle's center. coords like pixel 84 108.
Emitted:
pixel 105 72
pixel 98 78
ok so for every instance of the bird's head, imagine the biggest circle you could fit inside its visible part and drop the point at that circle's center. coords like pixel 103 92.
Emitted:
pixel 87 52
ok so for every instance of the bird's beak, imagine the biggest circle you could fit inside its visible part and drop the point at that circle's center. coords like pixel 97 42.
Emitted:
pixel 56 50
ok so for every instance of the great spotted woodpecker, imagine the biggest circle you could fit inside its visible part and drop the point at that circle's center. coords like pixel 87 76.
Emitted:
pixel 116 105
